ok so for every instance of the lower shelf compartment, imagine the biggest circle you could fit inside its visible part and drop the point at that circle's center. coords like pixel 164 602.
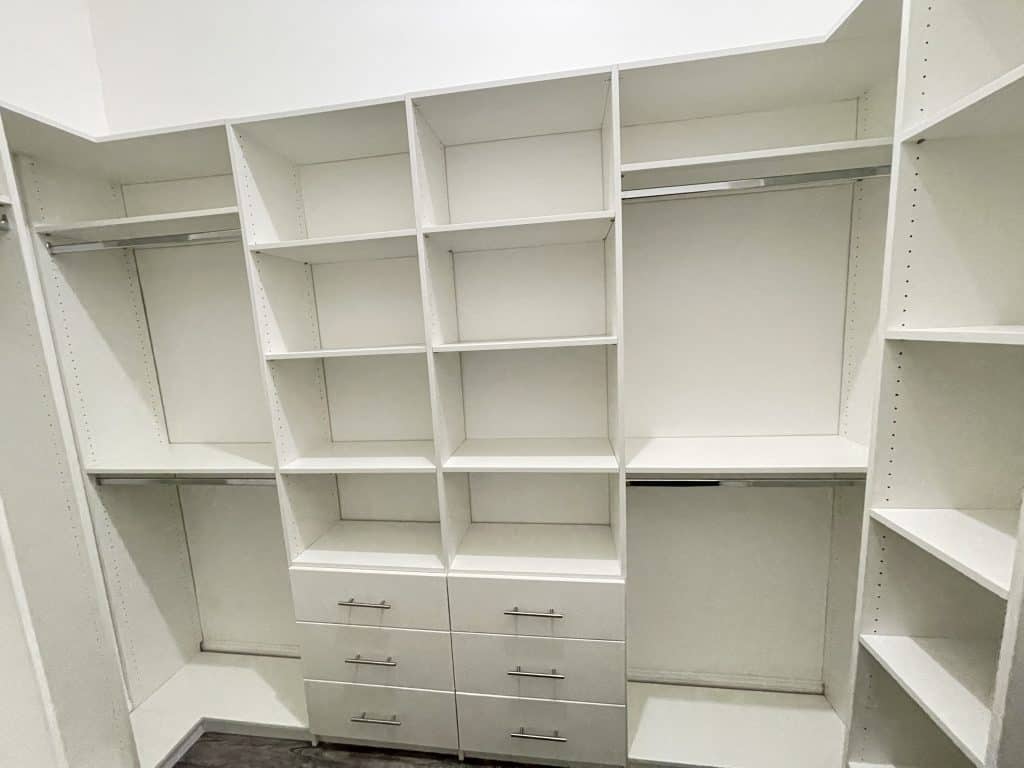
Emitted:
pixel 722 728
pixel 223 691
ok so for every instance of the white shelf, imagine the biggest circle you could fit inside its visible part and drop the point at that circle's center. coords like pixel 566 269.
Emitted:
pixel 806 158
pixel 996 108
pixel 977 334
pixel 5 199
pixel 533 455
pixel 722 728
pixel 319 354
pixel 950 680
pixel 811 454
pixel 328 250
pixel 538 549
pixel 979 543
pixel 217 688
pixel 405 546
pixel 568 341
pixel 522 233
pixel 206 220
pixel 366 457
pixel 189 459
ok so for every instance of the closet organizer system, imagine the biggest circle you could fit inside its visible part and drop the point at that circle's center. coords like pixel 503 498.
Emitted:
pixel 375 404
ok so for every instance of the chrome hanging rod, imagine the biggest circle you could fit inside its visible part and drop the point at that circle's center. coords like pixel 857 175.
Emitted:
pixel 780 481
pixel 787 181
pixel 152 241
pixel 184 480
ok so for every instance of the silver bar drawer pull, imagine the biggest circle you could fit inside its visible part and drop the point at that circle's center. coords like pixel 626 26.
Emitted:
pixel 522 734
pixel 358 659
pixel 383 605
pixel 362 718
pixel 552 675
pixel 549 614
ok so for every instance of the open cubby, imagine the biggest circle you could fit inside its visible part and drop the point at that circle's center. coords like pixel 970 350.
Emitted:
pixel 536 524
pixel 540 149
pixel 791 110
pixel 158 344
pixel 329 186
pixel 523 410
pixel 351 414
pixel 378 521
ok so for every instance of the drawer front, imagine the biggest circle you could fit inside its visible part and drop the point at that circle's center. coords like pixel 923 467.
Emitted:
pixel 407 658
pixel 378 715
pixel 541 667
pixel 592 733
pixel 593 610
pixel 379 599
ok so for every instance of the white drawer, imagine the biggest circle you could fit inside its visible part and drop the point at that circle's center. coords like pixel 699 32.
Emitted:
pixel 541 667
pixel 373 714
pixel 380 598
pixel 586 733
pixel 407 658
pixel 584 608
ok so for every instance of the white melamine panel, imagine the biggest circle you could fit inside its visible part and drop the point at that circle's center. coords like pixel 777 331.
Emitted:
pixel 268 191
pixel 417 601
pixel 967 334
pixel 527 232
pixel 751 564
pixel 535 176
pixel 375 544
pixel 411 497
pixel 530 293
pixel 369 303
pixel 143 549
pixel 412 658
pixel 239 568
pixel 372 194
pixel 327 250
pixel 153 225
pixel 952 426
pixel 309 507
pixel 192 194
pixel 535 393
pixel 586 733
pixel 743 132
pixel 746 359
pixel 422 719
pixel 565 454
pixel 538 549
pixel 285 299
pixel 589 609
pixel 381 456
pixel 429 167
pixel 687 726
pixel 539 498
pixel 589 670
pixel 452 422
pixel 379 398
pixel 201 325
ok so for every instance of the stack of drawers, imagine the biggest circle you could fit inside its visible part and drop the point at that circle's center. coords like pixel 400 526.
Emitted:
pixel 377 657
pixel 540 667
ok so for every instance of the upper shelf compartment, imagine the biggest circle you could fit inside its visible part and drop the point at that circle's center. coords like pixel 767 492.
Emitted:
pixel 538 149
pixel 328 187
pixel 790 99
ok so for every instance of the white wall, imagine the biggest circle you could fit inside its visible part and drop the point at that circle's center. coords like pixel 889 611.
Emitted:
pixel 48 63
pixel 190 61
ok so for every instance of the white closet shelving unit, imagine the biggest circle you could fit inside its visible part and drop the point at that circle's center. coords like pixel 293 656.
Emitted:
pixel 938 674
pixel 755 193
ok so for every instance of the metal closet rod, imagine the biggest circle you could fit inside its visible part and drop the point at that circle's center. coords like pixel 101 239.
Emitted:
pixel 779 481
pixel 765 183
pixel 152 241
pixel 182 480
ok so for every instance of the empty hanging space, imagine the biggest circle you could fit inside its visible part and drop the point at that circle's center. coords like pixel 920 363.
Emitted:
pixel 747 654
pixel 198 588
pixel 158 342
pixel 797 110
pixel 526 410
pixel 353 414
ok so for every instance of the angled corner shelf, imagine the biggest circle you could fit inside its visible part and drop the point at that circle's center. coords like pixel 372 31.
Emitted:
pixel 207 220
pixel 979 543
pixel 394 244
pixel 552 343
pixel 805 158
pixel 529 232
pixel 378 545
pixel 949 679
pixel 215 459
pixel 365 458
pixel 977 334
pixel 801 454
pixel 320 354
pixel 533 455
